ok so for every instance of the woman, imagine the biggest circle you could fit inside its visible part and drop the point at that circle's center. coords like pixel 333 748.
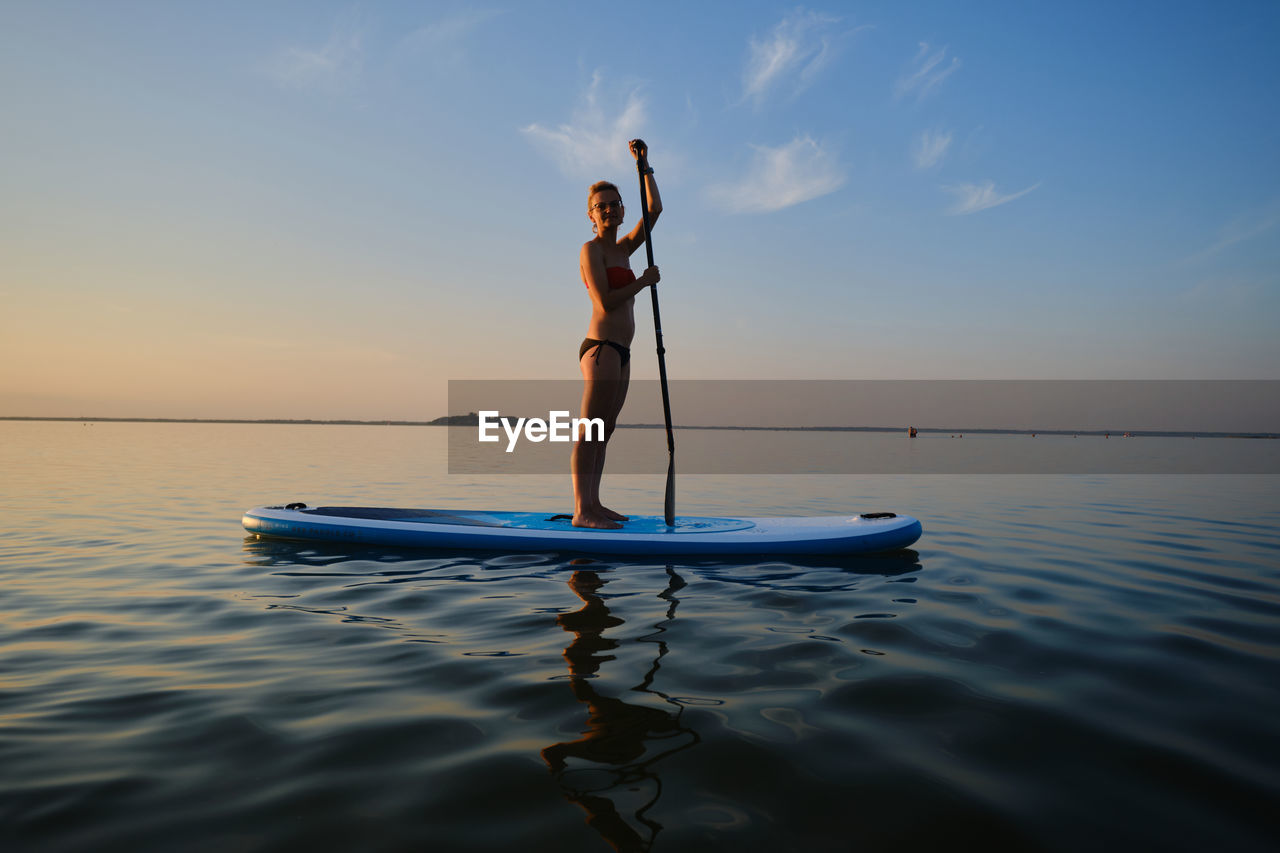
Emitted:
pixel 604 355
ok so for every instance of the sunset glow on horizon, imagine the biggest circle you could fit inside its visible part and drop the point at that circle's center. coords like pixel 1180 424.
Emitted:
pixel 330 210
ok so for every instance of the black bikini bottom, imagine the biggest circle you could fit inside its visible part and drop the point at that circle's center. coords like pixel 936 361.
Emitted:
pixel 593 343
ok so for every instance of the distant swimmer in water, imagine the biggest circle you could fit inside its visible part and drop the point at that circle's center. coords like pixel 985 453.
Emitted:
pixel 604 356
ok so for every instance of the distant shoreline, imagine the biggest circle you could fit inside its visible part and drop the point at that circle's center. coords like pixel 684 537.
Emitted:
pixel 465 420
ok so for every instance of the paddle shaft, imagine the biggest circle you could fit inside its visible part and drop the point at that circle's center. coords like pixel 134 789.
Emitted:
pixel 669 504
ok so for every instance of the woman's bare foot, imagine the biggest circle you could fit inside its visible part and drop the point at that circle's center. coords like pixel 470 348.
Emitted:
pixel 595 520
pixel 610 514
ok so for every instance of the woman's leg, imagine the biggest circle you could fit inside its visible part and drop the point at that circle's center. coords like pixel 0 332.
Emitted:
pixel 611 423
pixel 602 375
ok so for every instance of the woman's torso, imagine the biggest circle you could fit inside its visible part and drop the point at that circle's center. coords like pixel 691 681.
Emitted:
pixel 619 323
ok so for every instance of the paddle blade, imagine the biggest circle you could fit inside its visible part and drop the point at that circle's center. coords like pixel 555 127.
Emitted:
pixel 669 505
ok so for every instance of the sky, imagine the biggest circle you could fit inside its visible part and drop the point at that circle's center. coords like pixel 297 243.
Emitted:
pixel 329 210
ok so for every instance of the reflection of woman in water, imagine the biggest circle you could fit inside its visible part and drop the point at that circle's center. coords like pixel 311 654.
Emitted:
pixel 606 352
pixel 618 733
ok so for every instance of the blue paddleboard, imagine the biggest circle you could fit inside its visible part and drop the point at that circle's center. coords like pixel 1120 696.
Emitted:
pixel 532 531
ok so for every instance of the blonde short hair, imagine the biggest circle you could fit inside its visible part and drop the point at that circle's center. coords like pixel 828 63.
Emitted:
pixel 599 187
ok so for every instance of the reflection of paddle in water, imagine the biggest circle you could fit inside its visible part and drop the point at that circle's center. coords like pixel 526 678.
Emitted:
pixel 615 757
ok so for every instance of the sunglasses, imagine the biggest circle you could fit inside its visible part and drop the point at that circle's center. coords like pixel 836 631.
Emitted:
pixel 605 205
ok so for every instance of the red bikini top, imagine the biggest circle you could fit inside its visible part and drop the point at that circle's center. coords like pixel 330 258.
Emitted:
pixel 619 277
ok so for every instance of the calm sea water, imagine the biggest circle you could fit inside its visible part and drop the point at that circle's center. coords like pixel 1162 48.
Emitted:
pixel 1062 663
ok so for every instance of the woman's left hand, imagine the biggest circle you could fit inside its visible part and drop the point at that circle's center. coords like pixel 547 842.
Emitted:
pixel 639 150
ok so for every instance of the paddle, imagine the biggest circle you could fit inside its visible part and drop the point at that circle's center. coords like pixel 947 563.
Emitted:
pixel 669 505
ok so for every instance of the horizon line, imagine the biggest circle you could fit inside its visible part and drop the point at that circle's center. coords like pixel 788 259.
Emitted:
pixel 443 421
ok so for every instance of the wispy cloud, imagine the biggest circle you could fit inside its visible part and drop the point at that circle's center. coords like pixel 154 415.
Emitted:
pixel 443 41
pixel 594 140
pixel 930 149
pixel 1239 230
pixel 798 48
pixel 929 69
pixel 781 177
pixel 331 67
pixel 971 198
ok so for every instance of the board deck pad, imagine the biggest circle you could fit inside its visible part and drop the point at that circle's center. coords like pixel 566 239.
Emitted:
pixel 529 520
pixel 534 531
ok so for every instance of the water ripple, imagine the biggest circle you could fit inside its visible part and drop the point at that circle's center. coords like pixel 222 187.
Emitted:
pixel 1064 665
